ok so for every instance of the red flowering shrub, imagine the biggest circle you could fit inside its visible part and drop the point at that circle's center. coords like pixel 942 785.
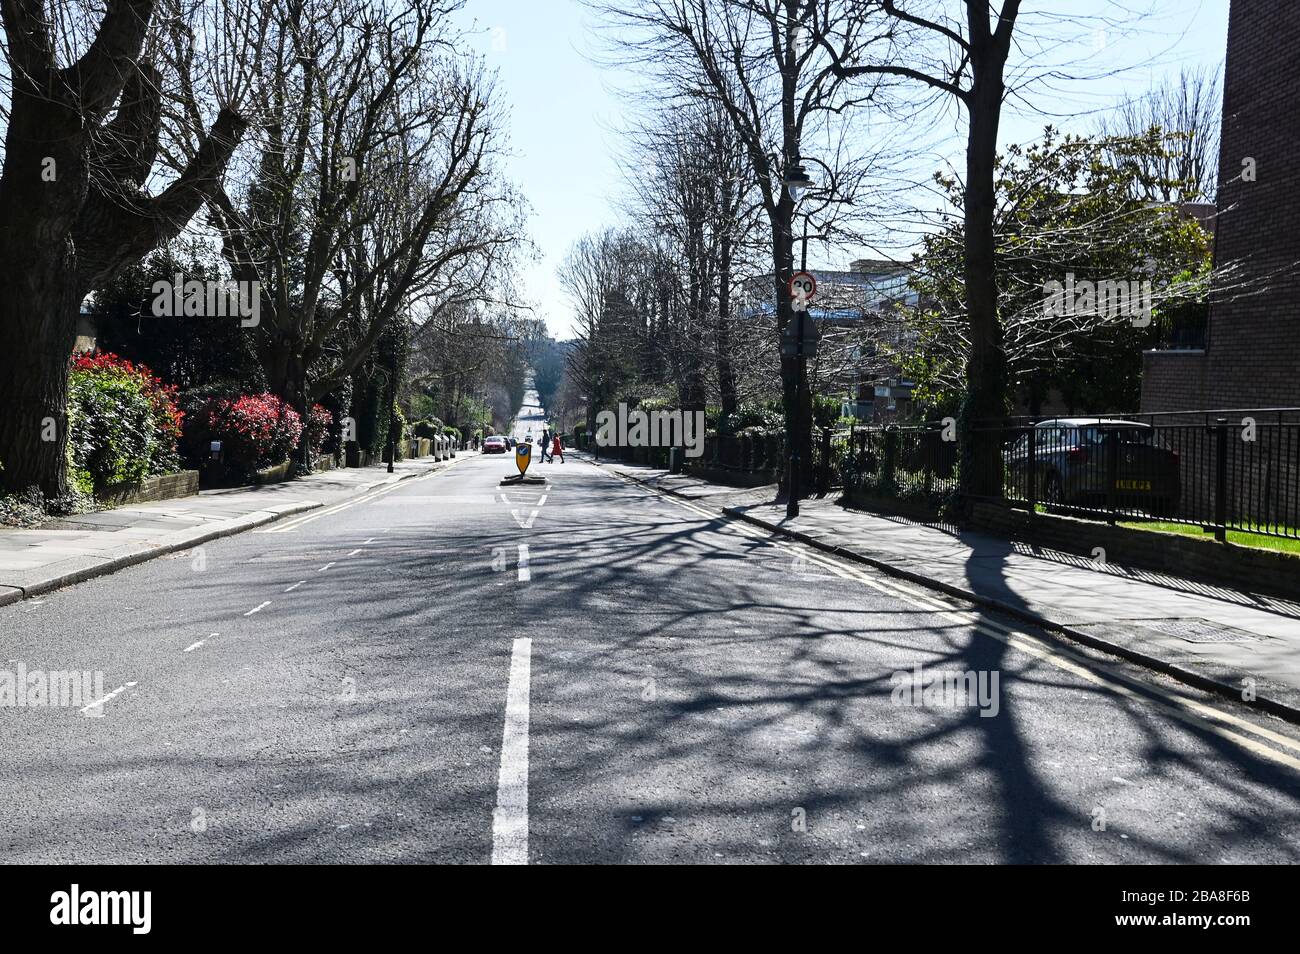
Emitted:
pixel 318 428
pixel 255 430
pixel 123 422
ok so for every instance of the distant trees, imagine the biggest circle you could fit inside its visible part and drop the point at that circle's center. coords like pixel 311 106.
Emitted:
pixel 548 359
pixel 1188 112
pixel 613 283
pixel 467 366
pixel 693 190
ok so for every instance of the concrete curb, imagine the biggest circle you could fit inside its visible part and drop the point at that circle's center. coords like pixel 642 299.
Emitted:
pixel 1261 702
pixel 251 521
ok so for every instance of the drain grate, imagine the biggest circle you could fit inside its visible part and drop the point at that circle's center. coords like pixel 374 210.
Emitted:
pixel 1196 630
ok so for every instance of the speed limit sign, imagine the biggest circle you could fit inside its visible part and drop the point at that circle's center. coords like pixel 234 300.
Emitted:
pixel 802 287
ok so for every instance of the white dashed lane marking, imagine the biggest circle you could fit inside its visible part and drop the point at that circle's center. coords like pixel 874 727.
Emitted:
pixel 96 708
pixel 510 819
pixel 194 646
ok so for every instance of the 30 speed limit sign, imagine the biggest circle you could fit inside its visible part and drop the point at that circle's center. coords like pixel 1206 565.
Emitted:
pixel 802 288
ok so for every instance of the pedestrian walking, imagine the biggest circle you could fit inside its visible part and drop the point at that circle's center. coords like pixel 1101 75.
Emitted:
pixel 557 448
pixel 546 446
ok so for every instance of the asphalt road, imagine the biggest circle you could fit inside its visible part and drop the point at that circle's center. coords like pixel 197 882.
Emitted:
pixel 401 680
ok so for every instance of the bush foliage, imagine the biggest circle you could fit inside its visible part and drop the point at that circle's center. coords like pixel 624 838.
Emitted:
pixel 123 422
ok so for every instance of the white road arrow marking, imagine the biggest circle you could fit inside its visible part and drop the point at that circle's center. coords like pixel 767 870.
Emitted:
pixel 524 524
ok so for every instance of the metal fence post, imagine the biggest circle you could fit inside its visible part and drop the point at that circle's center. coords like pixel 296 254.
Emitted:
pixel 1112 473
pixel 1221 480
pixel 1031 467
pixel 826 462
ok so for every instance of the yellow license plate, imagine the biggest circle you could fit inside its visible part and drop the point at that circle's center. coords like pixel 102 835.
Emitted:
pixel 1132 485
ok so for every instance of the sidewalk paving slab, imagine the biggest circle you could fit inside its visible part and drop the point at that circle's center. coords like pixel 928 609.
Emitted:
pixel 1205 635
pixel 73 549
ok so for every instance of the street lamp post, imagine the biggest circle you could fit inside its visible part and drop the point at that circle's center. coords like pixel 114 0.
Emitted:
pixel 798 182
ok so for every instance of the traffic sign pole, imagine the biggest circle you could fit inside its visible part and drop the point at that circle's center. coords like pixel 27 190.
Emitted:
pixel 802 288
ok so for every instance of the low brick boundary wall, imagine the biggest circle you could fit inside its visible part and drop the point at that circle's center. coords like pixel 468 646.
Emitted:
pixel 166 487
pixel 1266 571
pixel 733 478
pixel 911 509
pixel 273 475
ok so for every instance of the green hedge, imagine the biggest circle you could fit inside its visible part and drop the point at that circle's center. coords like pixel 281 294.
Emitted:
pixel 123 423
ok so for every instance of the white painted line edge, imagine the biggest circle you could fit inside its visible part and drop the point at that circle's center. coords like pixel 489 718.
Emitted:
pixel 201 642
pixel 510 818
pixel 99 703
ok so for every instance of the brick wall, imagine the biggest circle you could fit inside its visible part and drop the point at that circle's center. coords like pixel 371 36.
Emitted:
pixel 1260 571
pixel 1252 358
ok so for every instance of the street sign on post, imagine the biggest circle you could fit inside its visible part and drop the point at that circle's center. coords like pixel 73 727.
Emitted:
pixel 802 289
pixel 790 340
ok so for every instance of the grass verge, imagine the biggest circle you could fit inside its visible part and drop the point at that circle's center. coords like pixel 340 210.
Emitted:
pixel 1239 537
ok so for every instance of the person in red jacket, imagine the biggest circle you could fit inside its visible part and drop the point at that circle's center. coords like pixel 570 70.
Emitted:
pixel 557 449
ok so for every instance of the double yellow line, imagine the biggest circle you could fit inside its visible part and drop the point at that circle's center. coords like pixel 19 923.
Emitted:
pixel 1255 738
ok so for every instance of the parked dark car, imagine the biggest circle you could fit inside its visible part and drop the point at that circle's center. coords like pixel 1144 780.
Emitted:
pixel 1077 458
pixel 494 445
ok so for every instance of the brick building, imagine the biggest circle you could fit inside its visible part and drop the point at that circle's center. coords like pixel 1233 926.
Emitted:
pixel 1250 356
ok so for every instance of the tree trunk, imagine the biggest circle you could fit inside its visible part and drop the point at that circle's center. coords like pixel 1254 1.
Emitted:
pixel 38 310
pixel 39 296
pixel 986 373
pixel 726 373
pixel 798 414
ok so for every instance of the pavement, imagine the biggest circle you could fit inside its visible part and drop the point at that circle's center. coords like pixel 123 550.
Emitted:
pixel 1206 635
pixel 444 670
pixel 73 549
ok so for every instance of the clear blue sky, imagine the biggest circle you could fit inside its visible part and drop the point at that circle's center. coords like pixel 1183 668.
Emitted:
pixel 564 110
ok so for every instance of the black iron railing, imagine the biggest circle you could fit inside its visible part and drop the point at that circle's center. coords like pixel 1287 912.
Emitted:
pixel 1221 470
pixel 907 461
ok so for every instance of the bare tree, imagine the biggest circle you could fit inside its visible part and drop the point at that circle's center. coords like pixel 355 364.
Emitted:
pixel 768 66
pixel 1190 110
pixel 965 56
pixel 693 188
pixel 610 280
pixel 373 194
